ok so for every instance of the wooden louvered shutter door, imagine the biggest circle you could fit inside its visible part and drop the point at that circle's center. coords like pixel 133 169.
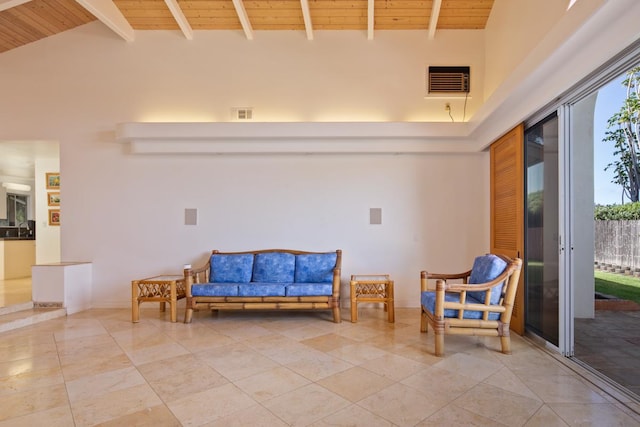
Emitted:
pixel 507 207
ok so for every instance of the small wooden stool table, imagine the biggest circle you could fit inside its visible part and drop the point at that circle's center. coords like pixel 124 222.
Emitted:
pixel 162 289
pixel 372 288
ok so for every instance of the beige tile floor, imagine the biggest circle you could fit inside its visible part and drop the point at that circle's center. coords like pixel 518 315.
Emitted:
pixel 15 291
pixel 278 369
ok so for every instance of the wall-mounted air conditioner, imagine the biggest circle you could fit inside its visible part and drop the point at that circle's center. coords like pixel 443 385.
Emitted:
pixel 448 80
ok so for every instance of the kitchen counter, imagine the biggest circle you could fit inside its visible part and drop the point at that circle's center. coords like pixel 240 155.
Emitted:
pixel 17 255
pixel 17 238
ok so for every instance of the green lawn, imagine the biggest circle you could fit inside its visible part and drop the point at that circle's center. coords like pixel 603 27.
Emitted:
pixel 624 287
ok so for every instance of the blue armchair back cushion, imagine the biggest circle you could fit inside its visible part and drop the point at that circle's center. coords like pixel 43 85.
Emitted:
pixel 485 269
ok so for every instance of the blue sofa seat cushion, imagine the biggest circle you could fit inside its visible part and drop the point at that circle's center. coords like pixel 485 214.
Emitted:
pixel 315 268
pixel 309 289
pixel 274 267
pixel 485 269
pixel 214 289
pixel 428 301
pixel 231 268
pixel 261 289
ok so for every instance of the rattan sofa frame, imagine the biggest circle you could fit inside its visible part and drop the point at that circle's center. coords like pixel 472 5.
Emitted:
pixel 201 275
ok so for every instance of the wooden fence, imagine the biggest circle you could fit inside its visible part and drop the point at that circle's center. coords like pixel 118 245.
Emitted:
pixel 617 243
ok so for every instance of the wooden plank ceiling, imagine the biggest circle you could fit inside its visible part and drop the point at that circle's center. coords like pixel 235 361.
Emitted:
pixel 37 19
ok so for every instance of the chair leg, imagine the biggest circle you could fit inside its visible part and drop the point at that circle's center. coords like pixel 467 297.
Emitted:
pixel 439 337
pixel 423 321
pixel 336 315
pixel 505 341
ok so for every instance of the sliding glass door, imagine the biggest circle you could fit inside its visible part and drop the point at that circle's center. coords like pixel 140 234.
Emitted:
pixel 542 229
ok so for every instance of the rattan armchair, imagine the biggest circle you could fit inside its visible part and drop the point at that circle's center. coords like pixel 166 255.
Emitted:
pixel 480 305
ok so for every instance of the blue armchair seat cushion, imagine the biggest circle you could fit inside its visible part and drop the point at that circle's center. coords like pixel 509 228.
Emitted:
pixel 315 268
pixel 274 267
pixel 485 269
pixel 309 289
pixel 428 301
pixel 214 289
pixel 261 289
pixel 231 268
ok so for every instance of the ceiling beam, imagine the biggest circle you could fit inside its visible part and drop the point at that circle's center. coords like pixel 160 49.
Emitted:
pixel 244 18
pixel 109 14
pixel 370 19
pixel 178 15
pixel 306 15
pixel 433 22
pixel 8 4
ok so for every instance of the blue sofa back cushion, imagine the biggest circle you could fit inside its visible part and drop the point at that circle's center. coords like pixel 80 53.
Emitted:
pixel 274 267
pixel 485 269
pixel 226 268
pixel 315 268
pixel 428 301
pixel 309 289
pixel 214 289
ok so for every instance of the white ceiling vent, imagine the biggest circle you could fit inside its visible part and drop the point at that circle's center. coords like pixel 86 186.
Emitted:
pixel 448 80
pixel 241 113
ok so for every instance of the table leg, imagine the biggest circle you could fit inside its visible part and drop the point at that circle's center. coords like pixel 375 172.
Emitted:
pixel 354 304
pixel 390 303
pixel 135 305
pixel 174 302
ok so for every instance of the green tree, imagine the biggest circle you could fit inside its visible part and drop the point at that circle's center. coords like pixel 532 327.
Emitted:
pixel 624 132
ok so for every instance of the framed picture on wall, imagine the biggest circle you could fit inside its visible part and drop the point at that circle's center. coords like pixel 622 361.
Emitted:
pixel 54 216
pixel 53 199
pixel 53 180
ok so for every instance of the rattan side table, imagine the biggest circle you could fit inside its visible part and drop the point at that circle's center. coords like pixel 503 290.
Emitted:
pixel 372 288
pixel 162 289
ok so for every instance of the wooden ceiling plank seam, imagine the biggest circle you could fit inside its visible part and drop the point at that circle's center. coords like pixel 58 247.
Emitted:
pixel 191 14
pixel 418 4
pixel 306 16
pixel 34 20
pixel 16 30
pixel 279 20
pixel 6 5
pixel 344 5
pixel 73 15
pixel 181 20
pixel 109 14
pixel 257 13
pixel 244 19
pixel 471 4
pixel 56 14
pixel 83 15
pixel 69 12
pixel 433 20
pixel 136 5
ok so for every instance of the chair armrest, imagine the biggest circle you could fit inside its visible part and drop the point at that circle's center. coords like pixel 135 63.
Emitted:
pixel 425 276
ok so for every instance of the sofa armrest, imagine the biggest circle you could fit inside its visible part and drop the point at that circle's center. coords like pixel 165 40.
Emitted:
pixel 195 275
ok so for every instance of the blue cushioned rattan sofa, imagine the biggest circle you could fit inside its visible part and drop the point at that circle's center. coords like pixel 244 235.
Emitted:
pixel 270 279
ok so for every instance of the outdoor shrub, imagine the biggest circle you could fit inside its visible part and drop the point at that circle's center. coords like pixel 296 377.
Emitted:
pixel 628 212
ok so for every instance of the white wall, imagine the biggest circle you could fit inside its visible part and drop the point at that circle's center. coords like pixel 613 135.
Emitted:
pixel 47 237
pixel 513 30
pixel 125 212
